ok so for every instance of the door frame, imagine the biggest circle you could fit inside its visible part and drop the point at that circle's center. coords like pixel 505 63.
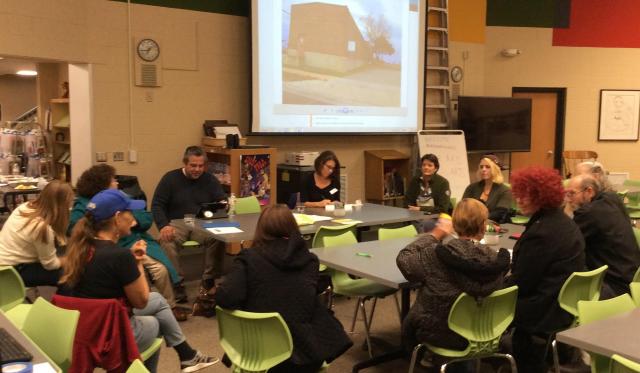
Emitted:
pixel 560 117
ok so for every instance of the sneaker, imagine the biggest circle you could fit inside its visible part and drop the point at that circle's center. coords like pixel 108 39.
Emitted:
pixel 200 361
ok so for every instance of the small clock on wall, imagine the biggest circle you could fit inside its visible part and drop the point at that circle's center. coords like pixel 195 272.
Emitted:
pixel 148 49
pixel 456 74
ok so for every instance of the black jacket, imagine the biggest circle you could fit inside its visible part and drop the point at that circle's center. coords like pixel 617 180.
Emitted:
pixel 609 240
pixel 282 277
pixel 499 202
pixel 445 272
pixel 550 249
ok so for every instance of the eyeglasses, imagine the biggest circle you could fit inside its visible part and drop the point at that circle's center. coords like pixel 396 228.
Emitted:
pixel 571 193
pixel 329 167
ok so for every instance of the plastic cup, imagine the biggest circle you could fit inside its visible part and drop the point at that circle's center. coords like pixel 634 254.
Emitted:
pixel 190 219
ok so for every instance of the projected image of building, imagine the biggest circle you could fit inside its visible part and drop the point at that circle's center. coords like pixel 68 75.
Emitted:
pixel 332 56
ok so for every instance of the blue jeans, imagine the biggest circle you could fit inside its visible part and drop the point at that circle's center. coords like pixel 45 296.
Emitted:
pixel 153 321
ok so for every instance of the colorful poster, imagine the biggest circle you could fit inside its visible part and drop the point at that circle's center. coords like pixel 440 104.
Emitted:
pixel 254 177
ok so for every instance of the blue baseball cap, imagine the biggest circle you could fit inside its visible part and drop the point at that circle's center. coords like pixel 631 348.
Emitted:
pixel 105 204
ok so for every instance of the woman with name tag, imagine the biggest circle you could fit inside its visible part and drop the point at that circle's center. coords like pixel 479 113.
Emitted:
pixel 429 192
pixel 28 237
pixel 491 190
pixel 98 268
pixel 323 186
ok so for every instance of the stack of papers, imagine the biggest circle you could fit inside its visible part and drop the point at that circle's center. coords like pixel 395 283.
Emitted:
pixel 304 219
pixel 346 221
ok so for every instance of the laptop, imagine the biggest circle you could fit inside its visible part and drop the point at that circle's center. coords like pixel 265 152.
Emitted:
pixel 213 210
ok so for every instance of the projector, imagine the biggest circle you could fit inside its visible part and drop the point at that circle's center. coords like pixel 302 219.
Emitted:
pixel 300 158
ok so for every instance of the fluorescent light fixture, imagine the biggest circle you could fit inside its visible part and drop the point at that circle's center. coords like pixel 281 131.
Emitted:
pixel 27 72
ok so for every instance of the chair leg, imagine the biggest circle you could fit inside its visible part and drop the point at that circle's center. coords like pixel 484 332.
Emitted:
pixel 478 365
pixel 373 309
pixel 512 361
pixel 330 301
pixel 355 316
pixel 443 368
pixel 556 359
pixel 366 325
pixel 414 357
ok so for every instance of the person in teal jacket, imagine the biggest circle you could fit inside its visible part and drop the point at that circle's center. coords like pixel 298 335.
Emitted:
pixel 163 273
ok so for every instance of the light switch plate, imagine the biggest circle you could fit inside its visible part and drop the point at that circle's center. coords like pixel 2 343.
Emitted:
pixel 118 156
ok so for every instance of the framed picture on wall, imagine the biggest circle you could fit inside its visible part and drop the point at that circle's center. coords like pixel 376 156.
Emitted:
pixel 619 115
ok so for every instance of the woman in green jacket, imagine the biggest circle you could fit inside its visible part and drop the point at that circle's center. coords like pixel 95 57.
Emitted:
pixel 428 192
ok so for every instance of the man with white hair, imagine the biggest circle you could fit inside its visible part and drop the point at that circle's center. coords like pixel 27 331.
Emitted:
pixel 607 232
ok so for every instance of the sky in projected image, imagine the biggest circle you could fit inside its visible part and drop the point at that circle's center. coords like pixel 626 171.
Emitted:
pixel 359 9
pixel 342 52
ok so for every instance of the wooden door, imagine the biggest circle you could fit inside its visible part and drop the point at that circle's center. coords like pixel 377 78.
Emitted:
pixel 543 131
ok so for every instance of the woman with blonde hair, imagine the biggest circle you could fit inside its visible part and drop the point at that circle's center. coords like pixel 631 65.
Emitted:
pixel 28 238
pixel 491 190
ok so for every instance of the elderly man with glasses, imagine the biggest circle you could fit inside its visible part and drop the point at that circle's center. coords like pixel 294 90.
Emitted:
pixel 607 232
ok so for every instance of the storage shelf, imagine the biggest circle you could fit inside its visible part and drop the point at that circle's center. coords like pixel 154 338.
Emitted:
pixel 59 101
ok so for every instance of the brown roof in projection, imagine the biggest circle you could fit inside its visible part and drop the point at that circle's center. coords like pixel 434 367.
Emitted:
pixel 326 28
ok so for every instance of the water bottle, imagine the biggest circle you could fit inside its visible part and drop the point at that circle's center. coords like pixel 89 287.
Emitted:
pixel 232 204
pixel 15 169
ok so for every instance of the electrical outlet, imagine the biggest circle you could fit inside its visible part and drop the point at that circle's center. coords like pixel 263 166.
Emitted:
pixel 118 156
pixel 101 156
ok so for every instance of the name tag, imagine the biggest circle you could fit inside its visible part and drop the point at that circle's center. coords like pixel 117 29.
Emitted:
pixel 333 191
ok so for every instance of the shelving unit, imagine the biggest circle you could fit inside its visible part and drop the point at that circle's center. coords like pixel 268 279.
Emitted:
pixel 61 124
pixel 379 163
pixel 232 159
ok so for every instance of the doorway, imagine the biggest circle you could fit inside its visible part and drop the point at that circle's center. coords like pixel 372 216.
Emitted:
pixel 547 128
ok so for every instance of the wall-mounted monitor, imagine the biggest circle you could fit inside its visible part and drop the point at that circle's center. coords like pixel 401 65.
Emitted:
pixel 495 124
pixel 337 66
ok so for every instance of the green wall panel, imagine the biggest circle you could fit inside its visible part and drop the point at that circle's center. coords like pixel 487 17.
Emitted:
pixel 232 7
pixel 528 13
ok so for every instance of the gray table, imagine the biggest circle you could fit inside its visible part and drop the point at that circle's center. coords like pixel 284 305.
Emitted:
pixel 614 335
pixel 380 266
pixel 38 355
pixel 369 214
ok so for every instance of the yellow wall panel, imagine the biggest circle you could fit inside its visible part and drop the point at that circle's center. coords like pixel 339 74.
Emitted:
pixel 467 20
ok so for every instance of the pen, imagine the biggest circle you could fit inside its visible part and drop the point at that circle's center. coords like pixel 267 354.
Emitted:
pixel 366 255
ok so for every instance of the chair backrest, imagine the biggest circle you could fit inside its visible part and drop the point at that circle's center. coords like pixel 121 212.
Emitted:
pixel 254 342
pixel 595 310
pixel 620 364
pixel 636 233
pixel 328 231
pixel 137 367
pixel 247 205
pixel 482 323
pixel 571 158
pixel 390 233
pixel 581 286
pixel 53 329
pixel 12 286
pixel 636 276
pixel 631 182
pixel 635 292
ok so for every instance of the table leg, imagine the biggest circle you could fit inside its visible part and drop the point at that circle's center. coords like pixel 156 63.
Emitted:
pixel 396 353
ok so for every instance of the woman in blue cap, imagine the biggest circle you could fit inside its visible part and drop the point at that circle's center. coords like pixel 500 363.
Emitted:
pixel 97 267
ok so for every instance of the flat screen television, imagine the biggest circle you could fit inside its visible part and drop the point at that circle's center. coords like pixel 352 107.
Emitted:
pixel 495 124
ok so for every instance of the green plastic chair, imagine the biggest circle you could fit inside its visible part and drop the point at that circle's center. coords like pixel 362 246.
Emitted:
pixel 636 233
pixel 635 292
pixel 591 311
pixel 53 330
pixel 636 276
pixel 247 205
pixel 343 284
pixel 254 342
pixel 520 219
pixel 155 347
pixel 137 367
pixel 318 238
pixel 12 296
pixel 391 233
pixel 481 323
pixel 579 286
pixel 620 364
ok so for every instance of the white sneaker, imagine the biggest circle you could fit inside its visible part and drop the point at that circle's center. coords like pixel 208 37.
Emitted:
pixel 200 361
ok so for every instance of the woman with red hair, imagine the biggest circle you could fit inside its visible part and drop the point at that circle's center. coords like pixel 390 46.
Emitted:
pixel 549 250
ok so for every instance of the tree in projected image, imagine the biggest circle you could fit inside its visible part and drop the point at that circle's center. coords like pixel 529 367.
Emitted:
pixel 377 33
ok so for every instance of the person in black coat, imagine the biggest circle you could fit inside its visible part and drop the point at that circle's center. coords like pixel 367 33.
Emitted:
pixel 550 249
pixel 279 274
pixel 607 232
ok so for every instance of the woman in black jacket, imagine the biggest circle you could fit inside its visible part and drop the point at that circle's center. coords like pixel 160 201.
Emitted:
pixel 279 274
pixel 549 250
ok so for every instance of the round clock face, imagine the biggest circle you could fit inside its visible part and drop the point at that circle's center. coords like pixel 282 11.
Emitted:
pixel 456 74
pixel 148 50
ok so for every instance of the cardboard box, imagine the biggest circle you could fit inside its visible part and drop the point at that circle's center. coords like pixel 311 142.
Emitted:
pixel 300 158
pixel 213 142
